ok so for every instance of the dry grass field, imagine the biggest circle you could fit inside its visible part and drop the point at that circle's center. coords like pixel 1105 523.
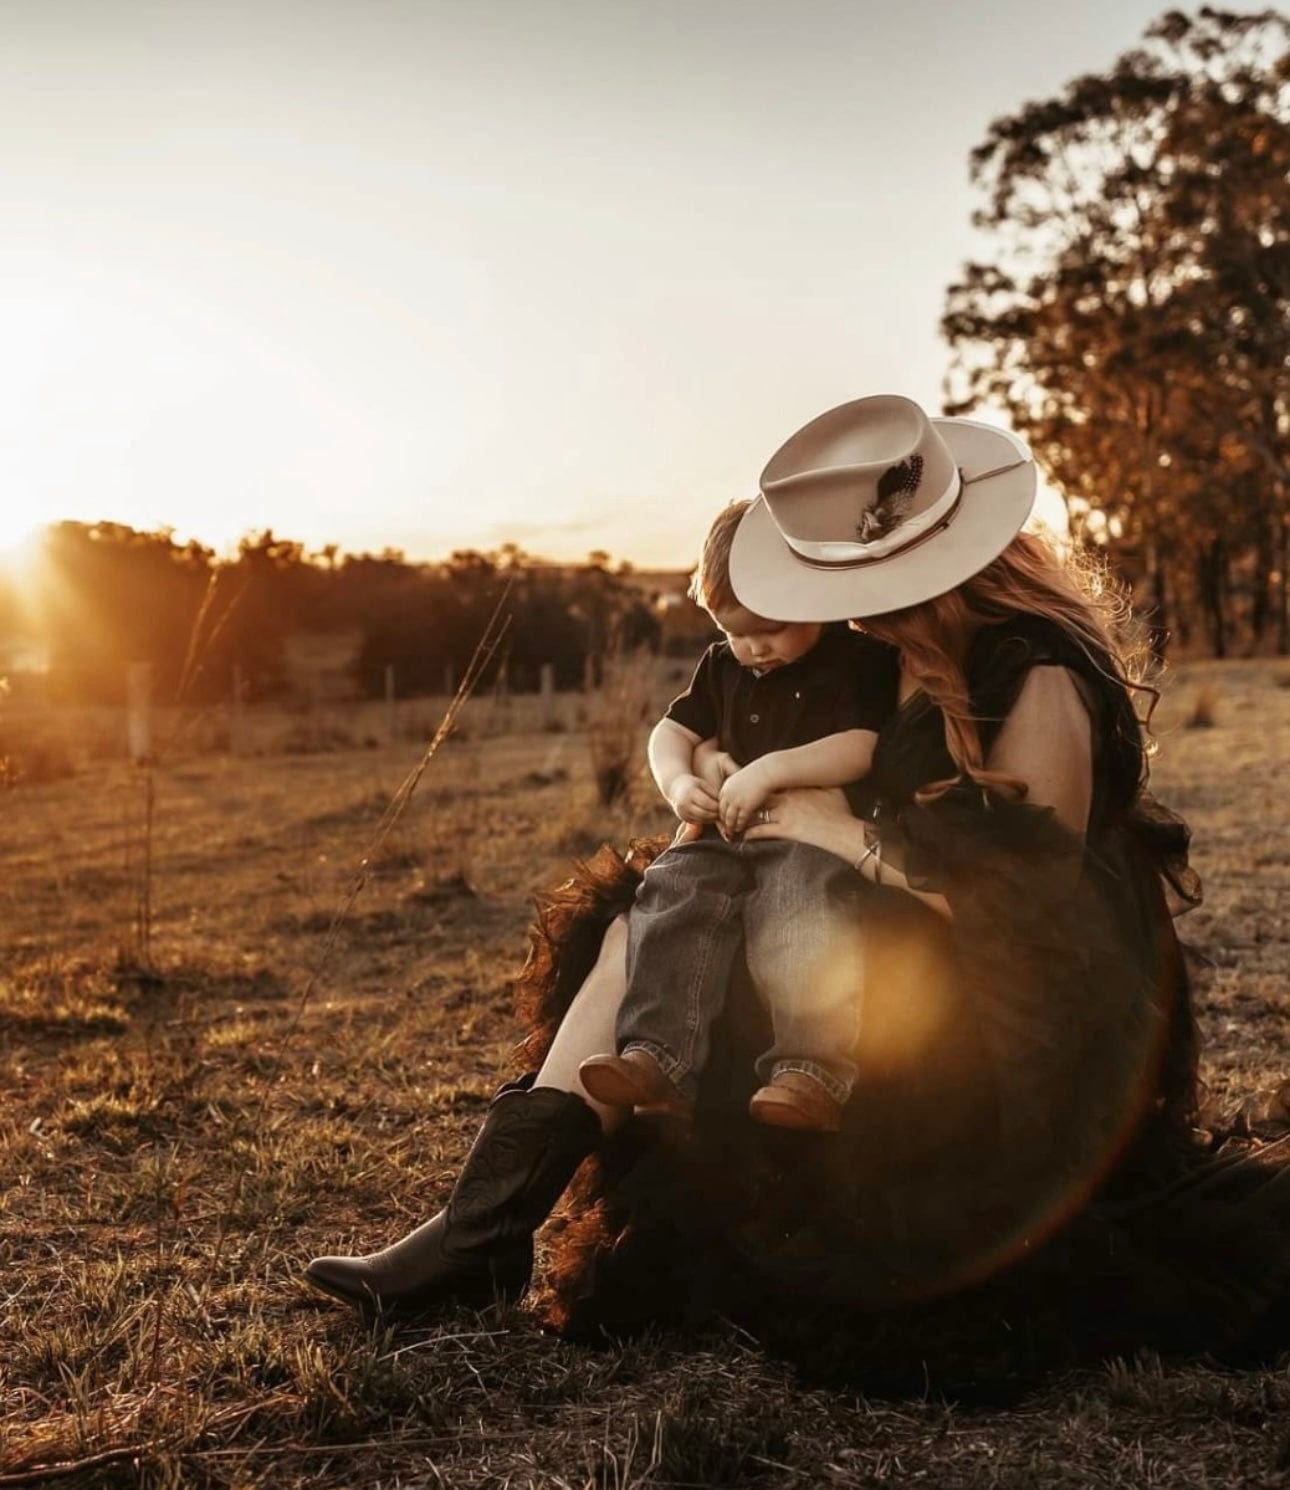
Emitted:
pixel 205 1083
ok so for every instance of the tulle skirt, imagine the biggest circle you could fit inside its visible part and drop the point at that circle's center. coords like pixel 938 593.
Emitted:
pixel 1017 1183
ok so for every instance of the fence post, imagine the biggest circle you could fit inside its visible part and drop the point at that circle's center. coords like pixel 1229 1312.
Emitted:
pixel 389 703
pixel 546 686
pixel 138 719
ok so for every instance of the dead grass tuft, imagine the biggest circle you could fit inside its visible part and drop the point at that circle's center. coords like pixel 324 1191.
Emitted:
pixel 1204 709
pixel 617 714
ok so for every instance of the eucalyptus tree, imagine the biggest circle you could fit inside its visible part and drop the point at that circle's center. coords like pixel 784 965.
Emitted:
pixel 1131 307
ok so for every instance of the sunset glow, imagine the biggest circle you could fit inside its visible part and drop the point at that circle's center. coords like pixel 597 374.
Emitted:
pixel 20 546
pixel 557 275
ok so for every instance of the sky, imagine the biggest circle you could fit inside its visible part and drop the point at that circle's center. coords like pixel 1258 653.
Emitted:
pixel 434 274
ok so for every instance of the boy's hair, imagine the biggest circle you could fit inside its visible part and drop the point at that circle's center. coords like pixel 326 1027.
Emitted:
pixel 710 584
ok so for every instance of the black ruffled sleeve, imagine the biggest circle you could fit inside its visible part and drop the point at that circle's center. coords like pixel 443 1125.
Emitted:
pixel 948 843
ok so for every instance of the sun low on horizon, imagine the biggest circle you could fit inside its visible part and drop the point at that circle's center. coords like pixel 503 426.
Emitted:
pixel 20 542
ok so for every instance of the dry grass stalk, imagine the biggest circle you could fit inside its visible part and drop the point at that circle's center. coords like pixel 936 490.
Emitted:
pixel 616 713
pixel 201 638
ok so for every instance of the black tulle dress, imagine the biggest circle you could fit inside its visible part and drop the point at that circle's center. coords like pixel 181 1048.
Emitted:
pixel 1019 1182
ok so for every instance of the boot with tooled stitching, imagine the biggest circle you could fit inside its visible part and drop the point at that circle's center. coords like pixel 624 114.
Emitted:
pixel 479 1248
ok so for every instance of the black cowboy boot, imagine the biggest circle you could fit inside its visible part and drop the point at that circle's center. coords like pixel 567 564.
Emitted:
pixel 479 1248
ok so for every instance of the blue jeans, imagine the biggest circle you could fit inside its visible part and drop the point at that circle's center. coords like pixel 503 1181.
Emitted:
pixel 793 909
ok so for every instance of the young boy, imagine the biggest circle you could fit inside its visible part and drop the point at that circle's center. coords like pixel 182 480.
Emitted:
pixel 788 704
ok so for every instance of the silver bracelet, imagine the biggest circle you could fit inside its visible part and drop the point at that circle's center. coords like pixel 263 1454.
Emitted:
pixel 871 850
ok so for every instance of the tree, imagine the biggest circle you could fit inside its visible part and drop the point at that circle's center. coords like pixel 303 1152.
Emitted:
pixel 111 596
pixel 1134 318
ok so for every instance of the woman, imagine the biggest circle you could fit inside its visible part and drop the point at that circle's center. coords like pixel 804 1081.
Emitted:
pixel 1020 1140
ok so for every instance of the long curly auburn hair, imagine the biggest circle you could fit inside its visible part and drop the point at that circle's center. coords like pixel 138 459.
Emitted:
pixel 1075 591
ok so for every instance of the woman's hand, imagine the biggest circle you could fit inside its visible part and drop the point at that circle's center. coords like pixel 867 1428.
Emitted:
pixel 817 815
pixel 821 816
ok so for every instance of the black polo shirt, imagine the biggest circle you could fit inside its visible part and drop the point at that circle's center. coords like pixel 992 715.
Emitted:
pixel 846 681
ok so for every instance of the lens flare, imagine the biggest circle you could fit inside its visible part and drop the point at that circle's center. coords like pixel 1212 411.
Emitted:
pixel 971 1186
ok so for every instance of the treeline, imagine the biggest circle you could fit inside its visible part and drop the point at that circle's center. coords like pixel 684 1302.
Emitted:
pixel 105 595
pixel 1131 311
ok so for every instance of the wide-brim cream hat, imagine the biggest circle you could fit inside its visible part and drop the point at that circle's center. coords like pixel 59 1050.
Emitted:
pixel 874 506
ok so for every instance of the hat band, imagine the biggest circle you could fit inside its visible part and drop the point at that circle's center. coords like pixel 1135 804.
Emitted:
pixel 909 535
pixel 929 520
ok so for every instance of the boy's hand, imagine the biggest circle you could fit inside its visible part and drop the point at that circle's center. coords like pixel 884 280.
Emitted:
pixel 693 800
pixel 714 768
pixel 741 795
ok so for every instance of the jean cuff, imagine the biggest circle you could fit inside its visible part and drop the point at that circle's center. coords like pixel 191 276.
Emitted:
pixel 677 1072
pixel 838 1087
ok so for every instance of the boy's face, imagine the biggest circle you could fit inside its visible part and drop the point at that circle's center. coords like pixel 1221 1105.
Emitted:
pixel 762 644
